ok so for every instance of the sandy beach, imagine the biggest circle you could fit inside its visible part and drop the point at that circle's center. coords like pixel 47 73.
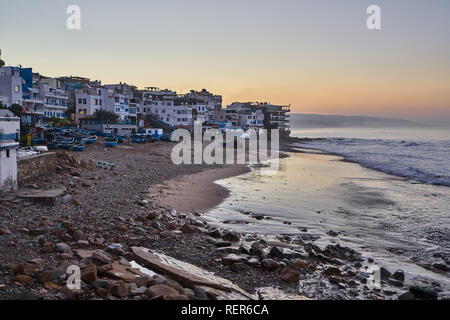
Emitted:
pixel 198 191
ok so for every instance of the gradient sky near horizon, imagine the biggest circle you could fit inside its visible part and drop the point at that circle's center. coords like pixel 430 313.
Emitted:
pixel 316 55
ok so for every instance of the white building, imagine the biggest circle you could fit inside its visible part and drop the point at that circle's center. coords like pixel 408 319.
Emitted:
pixel 89 100
pixel 123 94
pixel 9 134
pixel 11 86
pixel 213 102
pixel 54 96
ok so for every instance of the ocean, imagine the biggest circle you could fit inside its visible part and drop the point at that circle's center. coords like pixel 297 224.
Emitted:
pixel 385 192
pixel 421 154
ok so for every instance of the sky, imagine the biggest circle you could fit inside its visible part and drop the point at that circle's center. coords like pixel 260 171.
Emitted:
pixel 316 55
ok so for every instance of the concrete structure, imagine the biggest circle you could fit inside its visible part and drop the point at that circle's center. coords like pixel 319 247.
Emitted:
pixel 89 100
pixel 213 102
pixel 9 135
pixel 11 86
pixel 121 128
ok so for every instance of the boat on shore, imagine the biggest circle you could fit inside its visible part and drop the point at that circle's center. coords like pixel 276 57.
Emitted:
pixel 111 142
pixel 78 147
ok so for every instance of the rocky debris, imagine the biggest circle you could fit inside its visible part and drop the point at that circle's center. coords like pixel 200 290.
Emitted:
pixel 399 275
pixel 424 293
pixel 406 296
pixel 235 258
pixel 384 273
pixel 89 273
pixel 270 265
pixel 290 275
pixel 186 274
pixel 189 229
pixel 231 236
pixel 240 267
pixel 5 231
pixel 160 291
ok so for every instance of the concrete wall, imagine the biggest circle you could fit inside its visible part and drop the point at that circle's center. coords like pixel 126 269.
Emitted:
pixel 8 170
pixel 35 167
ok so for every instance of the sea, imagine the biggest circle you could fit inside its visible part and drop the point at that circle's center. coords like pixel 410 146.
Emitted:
pixel 384 191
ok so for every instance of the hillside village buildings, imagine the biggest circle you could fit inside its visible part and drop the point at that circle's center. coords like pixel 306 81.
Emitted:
pixel 78 99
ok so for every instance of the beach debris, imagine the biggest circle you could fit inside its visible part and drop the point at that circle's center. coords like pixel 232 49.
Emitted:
pixel 105 165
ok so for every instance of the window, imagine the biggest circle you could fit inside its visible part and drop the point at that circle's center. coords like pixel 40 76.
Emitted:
pixel 7 153
pixel 16 88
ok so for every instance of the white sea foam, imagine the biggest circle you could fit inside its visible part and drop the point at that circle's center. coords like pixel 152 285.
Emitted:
pixel 424 161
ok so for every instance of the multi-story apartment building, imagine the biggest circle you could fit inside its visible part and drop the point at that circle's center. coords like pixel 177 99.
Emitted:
pixel 54 96
pixel 89 100
pixel 11 86
pixel 213 102
pixel 123 94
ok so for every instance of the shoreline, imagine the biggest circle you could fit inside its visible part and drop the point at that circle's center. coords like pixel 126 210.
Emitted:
pixel 103 210
pixel 196 192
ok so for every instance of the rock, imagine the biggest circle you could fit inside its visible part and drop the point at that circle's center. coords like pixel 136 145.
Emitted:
pixel 5 231
pixel 200 293
pixel 406 296
pixel 100 257
pixel 384 273
pixel 240 267
pixel 78 235
pixel 215 233
pixel 399 275
pixel 100 283
pixel 144 281
pixel 395 282
pixel 160 290
pixel 332 271
pixel 222 244
pixel 62 247
pixel 116 249
pixel 67 199
pixel 23 279
pixel 47 247
pixel 166 234
pixel 89 273
pixel 300 264
pixel 290 275
pixel 440 266
pixel 188 229
pixel 24 269
pixel 82 244
pixel 102 292
pixel 235 258
pixel 332 233
pixel 231 236
pixel 51 276
pixel 257 249
pixel 425 293
pixel 119 290
pixel 270 265
pixel 51 286
pixel 138 291
pixel 276 252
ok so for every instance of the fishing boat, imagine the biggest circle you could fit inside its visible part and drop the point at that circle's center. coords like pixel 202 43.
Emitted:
pixel 109 143
pixel 120 138
pixel 65 145
pixel 78 147
pixel 91 139
pixel 52 145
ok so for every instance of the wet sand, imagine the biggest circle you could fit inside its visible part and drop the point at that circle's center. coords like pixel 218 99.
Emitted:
pixel 197 192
